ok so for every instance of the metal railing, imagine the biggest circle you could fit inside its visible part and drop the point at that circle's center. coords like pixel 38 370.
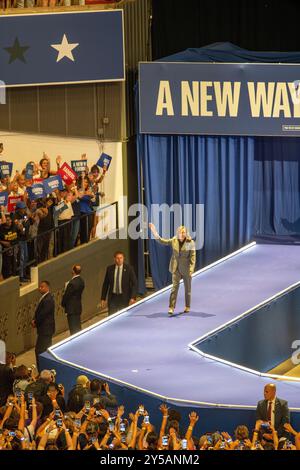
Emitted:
pixel 37 7
pixel 51 243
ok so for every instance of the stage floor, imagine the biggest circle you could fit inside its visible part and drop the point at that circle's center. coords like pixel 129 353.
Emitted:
pixel 144 348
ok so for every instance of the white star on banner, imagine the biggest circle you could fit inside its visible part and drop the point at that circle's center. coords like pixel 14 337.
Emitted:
pixel 64 49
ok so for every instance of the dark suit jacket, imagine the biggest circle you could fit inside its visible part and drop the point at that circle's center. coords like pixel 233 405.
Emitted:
pixel 282 414
pixel 6 383
pixel 129 283
pixel 44 316
pixel 71 300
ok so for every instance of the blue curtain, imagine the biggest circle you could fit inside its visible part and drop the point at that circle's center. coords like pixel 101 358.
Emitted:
pixel 214 171
pixel 249 186
pixel 277 188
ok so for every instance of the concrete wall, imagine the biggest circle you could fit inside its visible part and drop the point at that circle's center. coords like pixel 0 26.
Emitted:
pixel 16 311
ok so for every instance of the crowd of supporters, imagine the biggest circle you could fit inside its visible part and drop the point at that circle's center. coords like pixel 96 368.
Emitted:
pixel 35 229
pixel 51 3
pixel 36 413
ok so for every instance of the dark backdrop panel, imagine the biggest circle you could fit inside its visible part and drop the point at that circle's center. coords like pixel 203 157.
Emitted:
pixel 252 24
pixel 277 189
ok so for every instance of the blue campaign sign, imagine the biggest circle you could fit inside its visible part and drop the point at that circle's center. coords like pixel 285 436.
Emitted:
pixel 69 47
pixel 29 171
pixel 5 169
pixel 3 198
pixel 219 98
pixel 36 191
pixel 104 160
pixel 53 183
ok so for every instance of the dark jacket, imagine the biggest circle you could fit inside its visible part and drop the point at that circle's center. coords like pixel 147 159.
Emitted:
pixel 48 407
pixel 71 300
pixel 129 283
pixel 282 414
pixel 75 398
pixel 6 383
pixel 106 401
pixel 44 316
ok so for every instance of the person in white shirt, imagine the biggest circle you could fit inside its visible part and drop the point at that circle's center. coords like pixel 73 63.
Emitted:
pixel 119 285
pixel 273 410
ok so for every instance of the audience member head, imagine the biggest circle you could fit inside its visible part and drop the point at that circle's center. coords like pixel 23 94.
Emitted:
pixel 119 258
pixel 46 376
pixel 44 287
pixel 270 392
pixel 76 269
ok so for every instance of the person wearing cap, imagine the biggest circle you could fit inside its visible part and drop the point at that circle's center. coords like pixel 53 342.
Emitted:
pixel 23 222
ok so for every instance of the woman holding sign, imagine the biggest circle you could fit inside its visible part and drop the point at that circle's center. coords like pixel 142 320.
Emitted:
pixel 87 200
pixel 43 169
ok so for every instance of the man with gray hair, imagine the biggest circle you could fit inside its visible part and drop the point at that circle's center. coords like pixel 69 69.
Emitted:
pixel 272 410
pixel 39 387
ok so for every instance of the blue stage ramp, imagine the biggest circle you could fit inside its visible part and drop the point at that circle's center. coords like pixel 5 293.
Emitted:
pixel 244 318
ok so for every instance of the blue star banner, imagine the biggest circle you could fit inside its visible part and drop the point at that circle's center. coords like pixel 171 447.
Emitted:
pixel 75 47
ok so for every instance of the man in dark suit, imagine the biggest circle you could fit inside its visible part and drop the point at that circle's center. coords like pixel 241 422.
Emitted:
pixel 44 320
pixel 119 285
pixel 71 300
pixel 273 410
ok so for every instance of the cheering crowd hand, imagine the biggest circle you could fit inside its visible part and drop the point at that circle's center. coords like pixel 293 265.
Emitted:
pixel 164 409
pixel 193 417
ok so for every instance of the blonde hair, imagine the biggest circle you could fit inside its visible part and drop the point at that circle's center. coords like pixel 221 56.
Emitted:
pixel 182 228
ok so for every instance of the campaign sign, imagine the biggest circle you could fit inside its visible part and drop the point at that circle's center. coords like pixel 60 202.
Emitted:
pixel 79 166
pixel 3 198
pixel 5 169
pixel 104 160
pixel 60 207
pixel 67 174
pixel 29 171
pixel 36 191
pixel 12 201
pixel 53 183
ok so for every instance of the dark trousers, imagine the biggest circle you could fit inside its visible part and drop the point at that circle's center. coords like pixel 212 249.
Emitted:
pixel 43 342
pixel 64 235
pixel 74 323
pixel 86 225
pixel 116 303
pixel 23 252
pixel 43 243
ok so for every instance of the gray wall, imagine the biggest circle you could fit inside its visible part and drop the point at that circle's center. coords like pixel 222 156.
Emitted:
pixel 17 312
pixel 65 110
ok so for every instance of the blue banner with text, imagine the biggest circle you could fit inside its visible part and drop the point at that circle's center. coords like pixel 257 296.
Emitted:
pixel 219 99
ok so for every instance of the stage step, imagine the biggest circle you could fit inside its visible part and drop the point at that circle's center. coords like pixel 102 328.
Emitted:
pixel 286 368
pixel 294 372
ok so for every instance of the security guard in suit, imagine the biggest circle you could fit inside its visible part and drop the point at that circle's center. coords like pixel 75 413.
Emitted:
pixel 182 263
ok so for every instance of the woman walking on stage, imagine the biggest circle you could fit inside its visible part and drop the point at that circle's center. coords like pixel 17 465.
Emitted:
pixel 182 263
